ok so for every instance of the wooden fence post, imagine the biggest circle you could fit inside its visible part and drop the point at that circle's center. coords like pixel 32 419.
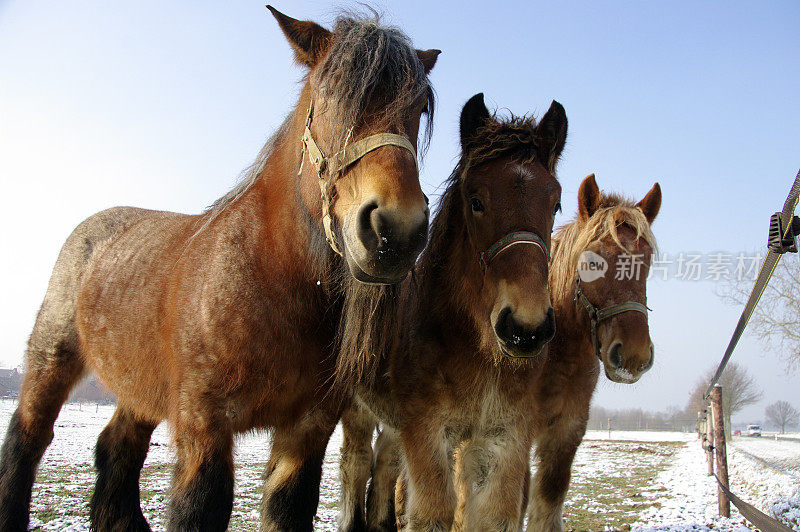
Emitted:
pixel 720 450
pixel 708 440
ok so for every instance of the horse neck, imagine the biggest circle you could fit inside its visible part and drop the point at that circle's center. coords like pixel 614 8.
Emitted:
pixel 287 207
pixel 449 278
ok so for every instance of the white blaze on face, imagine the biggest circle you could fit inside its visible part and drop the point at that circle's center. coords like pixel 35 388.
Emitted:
pixel 591 266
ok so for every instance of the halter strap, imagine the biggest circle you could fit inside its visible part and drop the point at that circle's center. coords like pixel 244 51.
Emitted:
pixel 511 239
pixel 597 315
pixel 338 162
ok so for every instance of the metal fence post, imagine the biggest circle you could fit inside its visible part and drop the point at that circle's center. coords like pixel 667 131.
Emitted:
pixel 720 451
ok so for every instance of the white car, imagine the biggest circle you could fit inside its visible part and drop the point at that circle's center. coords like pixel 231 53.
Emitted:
pixel 753 430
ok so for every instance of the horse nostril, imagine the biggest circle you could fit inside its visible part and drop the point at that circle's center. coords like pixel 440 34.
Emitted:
pixel 503 327
pixel 419 236
pixel 545 332
pixel 615 355
pixel 364 229
pixel 520 337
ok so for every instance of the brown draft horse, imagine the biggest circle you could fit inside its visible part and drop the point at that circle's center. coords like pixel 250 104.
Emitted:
pixel 448 355
pixel 617 231
pixel 226 321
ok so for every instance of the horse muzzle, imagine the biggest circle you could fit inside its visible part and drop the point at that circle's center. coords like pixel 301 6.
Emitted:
pixel 517 340
pixel 384 242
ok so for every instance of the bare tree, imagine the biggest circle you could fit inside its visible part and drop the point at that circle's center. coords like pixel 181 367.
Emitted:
pixel 776 319
pixel 782 414
pixel 739 389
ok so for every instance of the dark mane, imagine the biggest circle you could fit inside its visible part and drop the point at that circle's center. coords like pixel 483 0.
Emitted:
pixel 371 67
pixel 515 136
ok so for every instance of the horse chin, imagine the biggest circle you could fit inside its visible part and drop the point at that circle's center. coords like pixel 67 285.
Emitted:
pixel 361 274
pixel 508 352
pixel 621 376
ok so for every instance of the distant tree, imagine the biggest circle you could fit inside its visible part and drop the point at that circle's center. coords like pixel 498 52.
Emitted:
pixel 739 389
pixel 782 414
pixel 776 319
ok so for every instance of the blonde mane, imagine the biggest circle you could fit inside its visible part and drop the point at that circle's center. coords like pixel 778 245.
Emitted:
pixel 575 237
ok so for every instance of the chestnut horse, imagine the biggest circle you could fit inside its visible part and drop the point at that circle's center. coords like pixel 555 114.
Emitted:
pixel 618 233
pixel 449 354
pixel 226 321
pixel 600 318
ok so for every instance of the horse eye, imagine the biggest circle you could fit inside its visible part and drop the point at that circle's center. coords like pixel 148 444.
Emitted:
pixel 476 205
pixel 557 208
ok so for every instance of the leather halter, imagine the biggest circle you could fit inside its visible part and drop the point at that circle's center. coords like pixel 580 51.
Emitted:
pixel 338 162
pixel 597 315
pixel 511 239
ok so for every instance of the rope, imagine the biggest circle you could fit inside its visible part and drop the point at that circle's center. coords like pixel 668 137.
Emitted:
pixel 773 257
pixel 761 520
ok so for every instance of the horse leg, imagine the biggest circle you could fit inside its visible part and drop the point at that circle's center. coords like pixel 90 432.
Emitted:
pixel 463 485
pixel 294 472
pixel 431 495
pixel 555 451
pixel 202 486
pixel 381 494
pixel 401 498
pixel 354 466
pixel 119 456
pixel 499 467
pixel 50 375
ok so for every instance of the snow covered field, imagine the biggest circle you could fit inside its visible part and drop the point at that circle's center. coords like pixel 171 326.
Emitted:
pixel 641 480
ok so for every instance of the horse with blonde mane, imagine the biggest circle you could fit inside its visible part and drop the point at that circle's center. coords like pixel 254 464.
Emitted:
pixel 225 322
pixel 612 329
pixel 601 319
pixel 449 355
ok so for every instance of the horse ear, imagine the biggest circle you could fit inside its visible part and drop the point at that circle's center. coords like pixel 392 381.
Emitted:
pixel 308 39
pixel 588 198
pixel 428 58
pixel 552 135
pixel 474 115
pixel 651 203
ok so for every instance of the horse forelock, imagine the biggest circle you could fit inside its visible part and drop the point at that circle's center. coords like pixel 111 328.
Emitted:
pixel 375 68
pixel 573 238
pixel 515 136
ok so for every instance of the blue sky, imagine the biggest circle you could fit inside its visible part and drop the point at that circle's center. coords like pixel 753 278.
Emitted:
pixel 161 104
